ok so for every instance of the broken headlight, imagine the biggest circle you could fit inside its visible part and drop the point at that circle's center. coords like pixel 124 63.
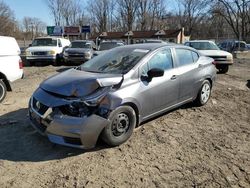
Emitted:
pixel 84 107
pixel 76 109
pixel 97 97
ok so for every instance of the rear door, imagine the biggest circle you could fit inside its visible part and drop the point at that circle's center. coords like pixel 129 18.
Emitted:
pixel 188 70
pixel 160 92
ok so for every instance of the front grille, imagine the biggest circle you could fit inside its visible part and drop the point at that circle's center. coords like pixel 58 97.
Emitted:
pixel 75 55
pixel 39 107
pixel 39 53
pixel 219 58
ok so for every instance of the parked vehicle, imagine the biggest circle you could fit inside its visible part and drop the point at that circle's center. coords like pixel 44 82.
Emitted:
pixel 233 46
pixel 208 48
pixel 107 45
pixel 46 49
pixel 111 94
pixel 79 51
pixel 11 67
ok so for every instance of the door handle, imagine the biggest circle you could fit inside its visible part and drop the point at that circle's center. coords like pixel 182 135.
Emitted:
pixel 173 77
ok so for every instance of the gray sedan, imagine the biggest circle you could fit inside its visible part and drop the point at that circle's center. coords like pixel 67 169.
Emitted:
pixel 108 96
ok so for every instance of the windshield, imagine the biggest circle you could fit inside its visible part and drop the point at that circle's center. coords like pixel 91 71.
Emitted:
pixel 109 45
pixel 203 46
pixel 44 42
pixel 116 61
pixel 80 45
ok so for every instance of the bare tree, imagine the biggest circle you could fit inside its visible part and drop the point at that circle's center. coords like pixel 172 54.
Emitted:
pixel 237 14
pixel 192 12
pixel 143 13
pixel 7 20
pixel 33 27
pixel 99 12
pixel 127 9
pixel 158 14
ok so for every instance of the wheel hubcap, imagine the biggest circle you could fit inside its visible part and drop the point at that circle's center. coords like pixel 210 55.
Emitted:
pixel 1 92
pixel 205 93
pixel 120 124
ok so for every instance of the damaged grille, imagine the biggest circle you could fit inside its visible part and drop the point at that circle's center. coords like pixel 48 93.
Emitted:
pixel 39 107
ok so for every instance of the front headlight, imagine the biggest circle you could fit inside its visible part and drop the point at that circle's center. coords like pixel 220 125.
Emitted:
pixel 230 57
pixel 27 53
pixel 65 53
pixel 87 54
pixel 52 52
pixel 97 98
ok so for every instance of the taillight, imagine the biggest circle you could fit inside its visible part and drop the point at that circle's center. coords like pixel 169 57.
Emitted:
pixel 20 64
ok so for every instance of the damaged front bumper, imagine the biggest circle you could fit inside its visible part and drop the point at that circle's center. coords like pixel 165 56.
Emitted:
pixel 79 132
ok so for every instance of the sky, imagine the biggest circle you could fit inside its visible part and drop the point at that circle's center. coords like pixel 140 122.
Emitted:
pixel 30 8
pixel 39 9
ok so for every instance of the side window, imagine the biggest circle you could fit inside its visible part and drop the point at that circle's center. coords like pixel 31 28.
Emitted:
pixel 195 56
pixel 184 57
pixel 59 43
pixel 162 60
pixel 144 69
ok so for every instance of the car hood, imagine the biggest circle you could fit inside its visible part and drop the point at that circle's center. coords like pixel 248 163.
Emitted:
pixel 41 48
pixel 78 50
pixel 215 53
pixel 77 83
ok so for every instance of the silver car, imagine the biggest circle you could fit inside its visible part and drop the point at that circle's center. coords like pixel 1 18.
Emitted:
pixel 111 94
pixel 79 51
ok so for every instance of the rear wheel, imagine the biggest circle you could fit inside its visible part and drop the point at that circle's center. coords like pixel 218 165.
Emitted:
pixel 3 90
pixel 122 124
pixel 204 93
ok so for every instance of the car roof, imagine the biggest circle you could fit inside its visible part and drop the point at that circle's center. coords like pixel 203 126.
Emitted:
pixel 153 46
pixel 49 38
pixel 201 41
pixel 81 41
pixel 112 41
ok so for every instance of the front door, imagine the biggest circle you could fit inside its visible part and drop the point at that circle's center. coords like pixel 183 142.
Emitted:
pixel 160 92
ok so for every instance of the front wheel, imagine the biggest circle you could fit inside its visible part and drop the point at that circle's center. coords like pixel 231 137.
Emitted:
pixel 122 124
pixel 3 90
pixel 223 69
pixel 204 93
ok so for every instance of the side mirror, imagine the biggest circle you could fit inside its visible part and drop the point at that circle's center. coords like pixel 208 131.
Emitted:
pixel 155 72
pixel 30 45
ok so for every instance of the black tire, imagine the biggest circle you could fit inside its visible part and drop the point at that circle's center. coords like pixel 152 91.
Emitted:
pixel 200 100
pixel 223 69
pixel 3 90
pixel 57 61
pixel 123 122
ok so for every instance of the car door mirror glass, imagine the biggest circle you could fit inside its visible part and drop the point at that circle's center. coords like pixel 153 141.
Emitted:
pixel 155 72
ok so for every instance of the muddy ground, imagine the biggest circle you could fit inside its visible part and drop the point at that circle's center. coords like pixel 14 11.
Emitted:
pixel 188 147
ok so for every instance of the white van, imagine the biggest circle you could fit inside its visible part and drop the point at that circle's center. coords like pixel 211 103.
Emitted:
pixel 46 49
pixel 11 66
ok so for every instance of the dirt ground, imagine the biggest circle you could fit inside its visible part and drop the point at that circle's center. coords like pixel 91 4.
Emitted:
pixel 188 147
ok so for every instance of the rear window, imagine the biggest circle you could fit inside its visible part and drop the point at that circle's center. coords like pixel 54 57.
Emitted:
pixel 184 57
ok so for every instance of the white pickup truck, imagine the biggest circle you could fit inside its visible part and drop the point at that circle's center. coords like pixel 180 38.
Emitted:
pixel 46 49
pixel 11 66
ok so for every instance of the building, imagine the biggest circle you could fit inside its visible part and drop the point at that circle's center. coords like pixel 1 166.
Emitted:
pixel 131 37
